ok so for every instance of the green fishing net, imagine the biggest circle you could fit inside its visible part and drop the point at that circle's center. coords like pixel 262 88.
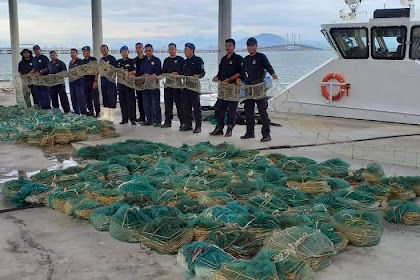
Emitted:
pixel 27 190
pixel 12 187
pixel 331 168
pixel 362 228
pixel 101 217
pixel 403 212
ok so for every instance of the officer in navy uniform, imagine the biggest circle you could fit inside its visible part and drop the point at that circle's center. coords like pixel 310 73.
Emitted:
pixel 91 86
pixel 151 65
pixel 173 65
pixel 193 66
pixel 58 91
pixel 230 68
pixel 255 67
pixel 139 93
pixel 40 68
pixel 109 89
pixel 126 95
pixel 25 67
pixel 77 94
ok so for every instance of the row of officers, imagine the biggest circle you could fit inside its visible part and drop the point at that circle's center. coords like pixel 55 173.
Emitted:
pixel 84 93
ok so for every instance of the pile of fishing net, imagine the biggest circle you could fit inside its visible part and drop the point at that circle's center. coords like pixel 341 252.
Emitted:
pixel 49 128
pixel 256 216
pixel 403 212
pixel 362 228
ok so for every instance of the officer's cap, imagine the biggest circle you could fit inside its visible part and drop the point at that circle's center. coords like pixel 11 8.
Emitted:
pixel 251 41
pixel 36 47
pixel 123 48
pixel 190 45
pixel 86 48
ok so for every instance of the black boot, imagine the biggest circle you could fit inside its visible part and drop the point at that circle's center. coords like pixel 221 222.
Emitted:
pixel 266 138
pixel 197 128
pixel 133 123
pixel 123 122
pixel 166 125
pixel 217 131
pixel 229 131
pixel 248 136
pixel 186 128
pixel 90 114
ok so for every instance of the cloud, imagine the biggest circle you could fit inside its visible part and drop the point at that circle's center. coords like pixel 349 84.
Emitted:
pixel 68 23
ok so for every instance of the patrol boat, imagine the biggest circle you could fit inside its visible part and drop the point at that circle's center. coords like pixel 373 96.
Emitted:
pixel 376 75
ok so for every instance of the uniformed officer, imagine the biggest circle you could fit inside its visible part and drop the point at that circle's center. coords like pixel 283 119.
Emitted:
pixel 77 95
pixel 56 66
pixel 109 89
pixel 24 68
pixel 139 93
pixel 40 63
pixel 193 66
pixel 126 95
pixel 230 68
pixel 91 86
pixel 255 67
pixel 151 65
pixel 173 65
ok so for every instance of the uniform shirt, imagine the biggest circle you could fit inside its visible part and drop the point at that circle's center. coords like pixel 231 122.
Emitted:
pixel 173 64
pixel 77 62
pixel 54 68
pixel 151 66
pixel 138 62
pixel 228 67
pixel 40 64
pixel 25 66
pixel 89 78
pixel 128 65
pixel 194 66
pixel 110 60
pixel 255 67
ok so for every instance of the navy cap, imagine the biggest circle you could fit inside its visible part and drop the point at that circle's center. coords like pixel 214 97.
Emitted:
pixel 251 41
pixel 86 48
pixel 26 50
pixel 190 45
pixel 36 47
pixel 123 48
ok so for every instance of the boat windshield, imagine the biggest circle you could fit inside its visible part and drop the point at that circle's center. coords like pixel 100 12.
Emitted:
pixel 351 42
pixel 389 42
pixel 415 43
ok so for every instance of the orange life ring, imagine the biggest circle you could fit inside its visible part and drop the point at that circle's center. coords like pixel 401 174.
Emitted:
pixel 344 88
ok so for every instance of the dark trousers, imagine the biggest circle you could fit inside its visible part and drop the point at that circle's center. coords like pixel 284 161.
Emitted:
pixel 174 95
pixel 262 105
pixel 32 90
pixel 223 106
pixel 43 97
pixel 192 104
pixel 59 91
pixel 77 96
pixel 109 93
pixel 92 97
pixel 128 103
pixel 140 104
pixel 151 105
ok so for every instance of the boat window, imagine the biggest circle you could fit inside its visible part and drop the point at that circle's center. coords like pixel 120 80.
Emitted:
pixel 415 43
pixel 325 33
pixel 389 42
pixel 351 42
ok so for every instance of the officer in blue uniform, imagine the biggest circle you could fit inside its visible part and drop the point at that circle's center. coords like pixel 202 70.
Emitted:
pixel 91 86
pixel 77 95
pixel 193 66
pixel 173 65
pixel 151 65
pixel 109 89
pixel 40 63
pixel 126 95
pixel 25 67
pixel 255 67
pixel 230 68
pixel 56 66
pixel 139 93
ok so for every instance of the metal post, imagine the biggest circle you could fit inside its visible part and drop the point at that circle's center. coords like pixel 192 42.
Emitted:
pixel 225 24
pixel 97 35
pixel 15 45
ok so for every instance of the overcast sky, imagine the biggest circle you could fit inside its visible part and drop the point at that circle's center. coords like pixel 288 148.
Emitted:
pixel 67 23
